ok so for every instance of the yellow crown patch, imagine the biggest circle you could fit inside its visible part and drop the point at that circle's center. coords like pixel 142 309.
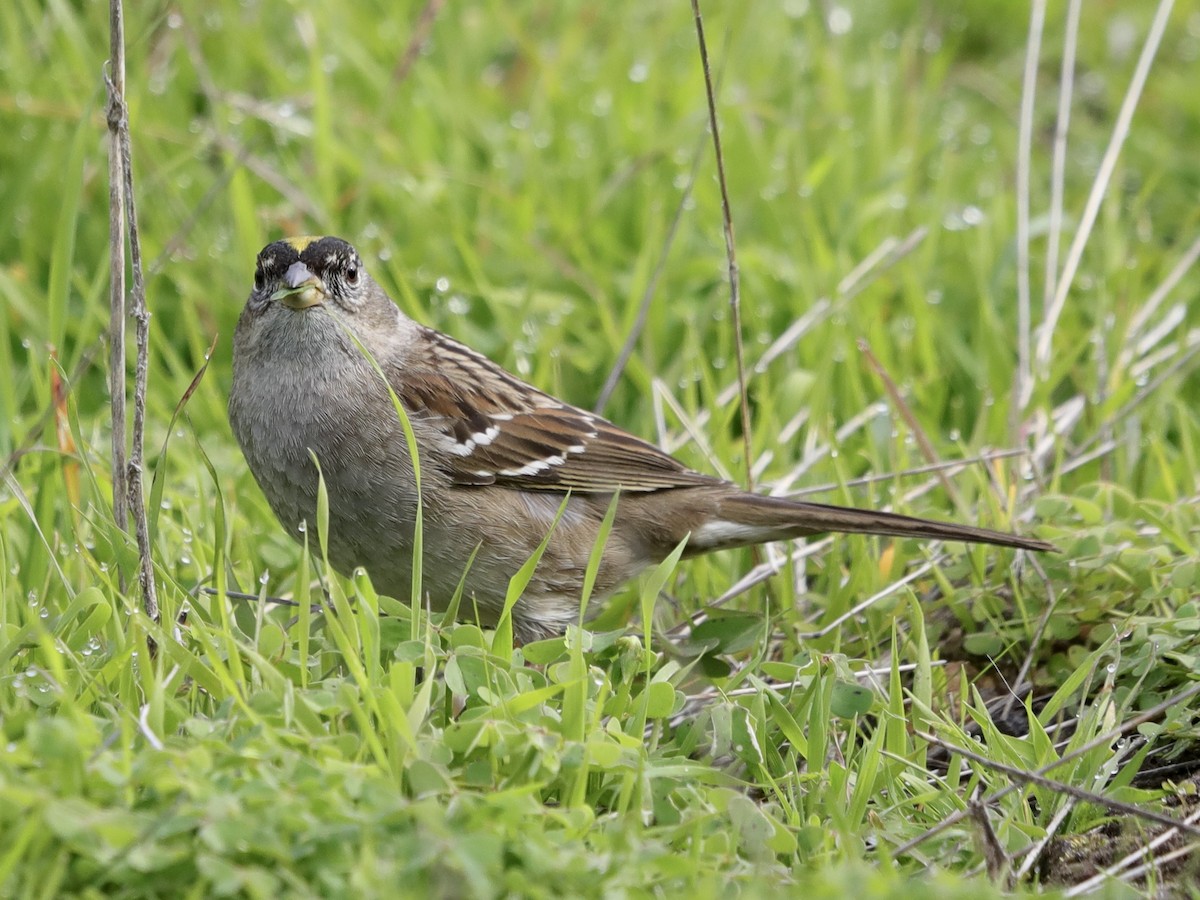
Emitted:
pixel 299 243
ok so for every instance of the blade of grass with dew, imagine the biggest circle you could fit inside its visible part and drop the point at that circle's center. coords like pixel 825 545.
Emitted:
pixel 91 608
pixel 204 668
pixel 1072 684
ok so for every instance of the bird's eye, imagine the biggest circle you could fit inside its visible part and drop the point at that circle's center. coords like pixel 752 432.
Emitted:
pixel 260 279
pixel 352 275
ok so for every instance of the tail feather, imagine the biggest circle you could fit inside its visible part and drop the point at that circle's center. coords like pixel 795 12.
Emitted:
pixel 750 519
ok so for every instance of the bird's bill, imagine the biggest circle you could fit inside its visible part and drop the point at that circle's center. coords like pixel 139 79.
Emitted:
pixel 302 289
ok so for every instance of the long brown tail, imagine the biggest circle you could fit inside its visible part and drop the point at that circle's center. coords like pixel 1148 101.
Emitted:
pixel 751 519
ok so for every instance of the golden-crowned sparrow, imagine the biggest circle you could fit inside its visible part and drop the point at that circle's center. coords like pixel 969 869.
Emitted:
pixel 497 456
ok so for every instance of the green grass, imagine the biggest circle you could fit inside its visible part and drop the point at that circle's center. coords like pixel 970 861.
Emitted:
pixel 516 191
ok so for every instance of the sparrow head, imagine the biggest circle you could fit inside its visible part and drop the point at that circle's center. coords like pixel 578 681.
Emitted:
pixel 314 287
pixel 304 273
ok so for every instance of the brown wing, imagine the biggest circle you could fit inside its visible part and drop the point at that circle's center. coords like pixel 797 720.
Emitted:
pixel 500 430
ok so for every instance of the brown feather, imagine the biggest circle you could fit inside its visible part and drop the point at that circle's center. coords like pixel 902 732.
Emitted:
pixel 777 518
pixel 536 442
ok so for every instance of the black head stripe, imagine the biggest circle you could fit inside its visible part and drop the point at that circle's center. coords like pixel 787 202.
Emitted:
pixel 320 254
pixel 327 253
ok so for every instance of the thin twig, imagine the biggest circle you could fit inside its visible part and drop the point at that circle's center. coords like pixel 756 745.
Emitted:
pixel 136 479
pixel 271 176
pixel 115 81
pixel 258 598
pixel 118 123
pixel 735 297
pixel 995 858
